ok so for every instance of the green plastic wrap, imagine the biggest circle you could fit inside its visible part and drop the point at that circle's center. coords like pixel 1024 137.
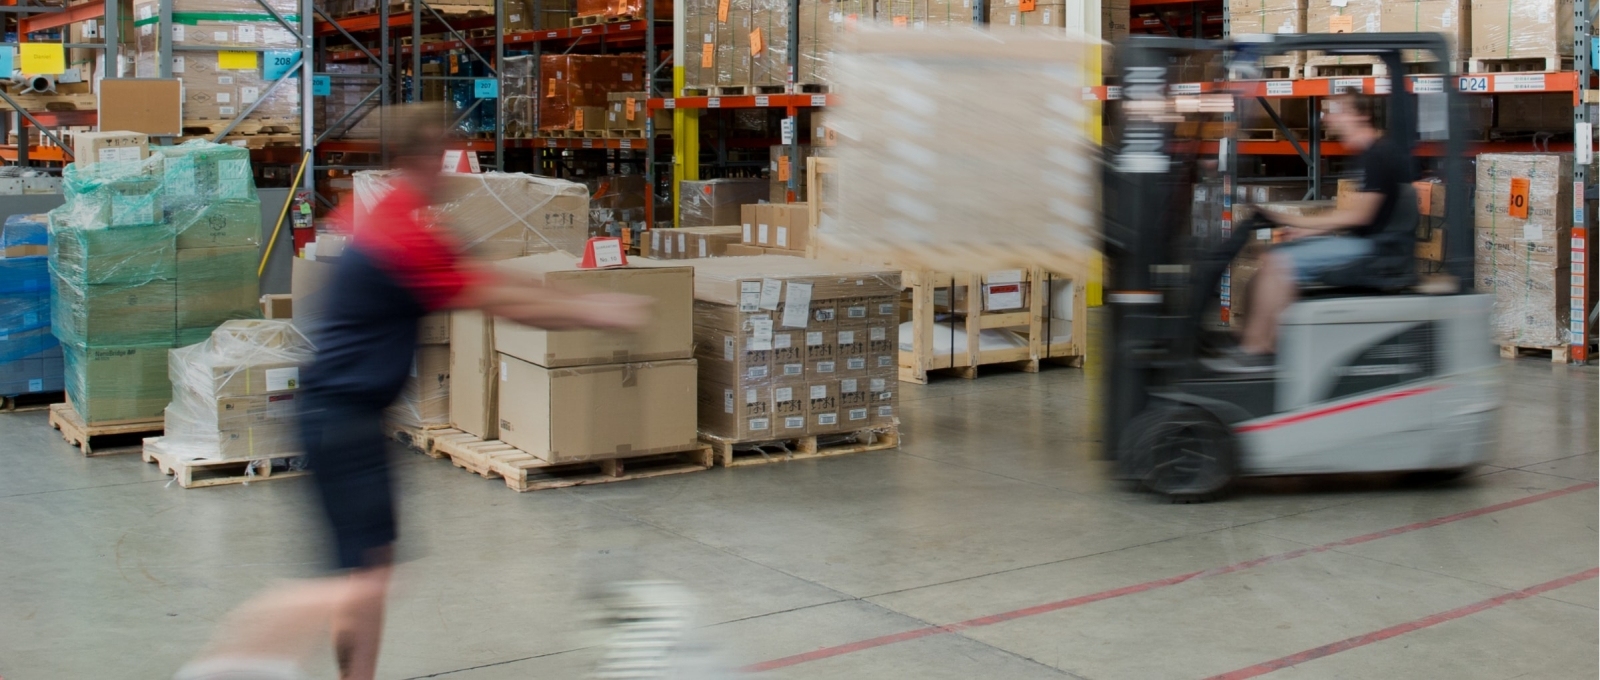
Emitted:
pixel 199 170
pixel 215 285
pixel 127 382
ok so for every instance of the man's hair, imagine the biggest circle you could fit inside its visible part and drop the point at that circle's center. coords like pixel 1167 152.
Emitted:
pixel 1366 106
pixel 417 129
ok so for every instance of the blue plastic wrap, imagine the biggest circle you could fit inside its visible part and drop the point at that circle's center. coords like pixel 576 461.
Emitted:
pixel 26 275
pixel 24 312
pixel 25 230
pixel 14 346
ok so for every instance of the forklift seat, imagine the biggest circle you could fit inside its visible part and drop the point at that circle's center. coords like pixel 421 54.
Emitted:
pixel 1391 268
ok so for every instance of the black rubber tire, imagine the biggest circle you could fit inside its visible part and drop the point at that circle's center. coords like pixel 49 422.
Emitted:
pixel 1425 478
pixel 1181 452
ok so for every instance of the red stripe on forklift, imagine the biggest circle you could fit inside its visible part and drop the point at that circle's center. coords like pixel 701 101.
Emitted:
pixel 1339 408
pixel 884 640
pixel 1396 631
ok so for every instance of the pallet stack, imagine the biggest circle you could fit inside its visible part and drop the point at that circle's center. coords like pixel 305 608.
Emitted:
pixel 573 99
pixel 30 356
pixel 1522 211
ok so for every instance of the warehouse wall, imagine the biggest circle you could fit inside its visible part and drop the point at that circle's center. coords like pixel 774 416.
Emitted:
pixel 274 280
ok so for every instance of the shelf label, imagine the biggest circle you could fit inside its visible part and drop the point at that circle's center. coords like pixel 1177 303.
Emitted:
pixel 669 103
pixel 1380 85
pixel 1522 82
pixel 1088 94
pixel 1427 85
pixel 819 100
pixel 624 27
pixel 627 144
pixel 321 86
pixel 486 88
pixel 713 102
pixel 43 58
pixel 586 31
pixel 1185 88
pixel 588 143
pixel 761 100
pixel 275 64
pixel 1280 88
pixel 1473 84
pixel 788 132
pixel 1343 85
pixel 1113 92
pixel 550 143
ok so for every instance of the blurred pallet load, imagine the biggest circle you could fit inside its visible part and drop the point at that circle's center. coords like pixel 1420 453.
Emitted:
pixel 1524 250
pixel 30 355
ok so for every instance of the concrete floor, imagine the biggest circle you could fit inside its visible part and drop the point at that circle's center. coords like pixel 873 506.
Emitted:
pixel 991 507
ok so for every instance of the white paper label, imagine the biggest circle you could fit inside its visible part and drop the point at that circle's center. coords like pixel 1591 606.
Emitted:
pixel 1427 85
pixel 819 391
pixel 758 424
pixel 856 312
pixel 761 335
pixel 728 347
pixel 783 394
pixel 827 419
pixel 177 33
pixel 1280 88
pixel 1524 82
pixel 794 422
pixel 749 296
pixel 747 238
pixel 885 411
pixel 878 333
pixel 279 379
pixel 1532 232
pixel 858 414
pixel 220 36
pixel 825 366
pixel 885 361
pixel 607 253
pixel 771 293
pixel 248 95
pixel 1343 85
pixel 782 237
pixel 849 385
pixel 782 340
pixel 855 364
pixel 505 372
pixel 278 36
pixel 761 233
pixel 877 384
pixel 224 80
pixel 727 401
pixel 847 337
pixel 224 97
pixel 683 243
pixel 119 153
pixel 667 249
pixel 247 34
pixel 886 309
pixel 814 338
pixel 796 304
pixel 702 249
pixel 758 372
pixel 177 64
pixel 790 370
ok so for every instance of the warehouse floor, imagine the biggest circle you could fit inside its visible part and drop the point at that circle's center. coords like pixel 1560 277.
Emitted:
pixel 991 516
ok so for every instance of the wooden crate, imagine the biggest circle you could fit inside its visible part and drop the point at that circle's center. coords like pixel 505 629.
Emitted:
pixel 729 453
pixel 523 471
pixel 1035 318
pixel 194 474
pixel 85 436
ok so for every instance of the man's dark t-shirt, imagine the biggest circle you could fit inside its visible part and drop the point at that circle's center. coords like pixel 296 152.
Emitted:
pixel 1385 166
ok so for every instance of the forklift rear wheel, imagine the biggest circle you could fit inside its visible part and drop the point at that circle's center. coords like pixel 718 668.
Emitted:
pixel 1183 453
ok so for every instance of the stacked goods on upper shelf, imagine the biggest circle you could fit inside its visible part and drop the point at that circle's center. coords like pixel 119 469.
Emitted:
pixel 717 202
pixel 233 395
pixel 582 395
pixel 223 79
pixel 523 15
pixel 1449 18
pixel 616 205
pixel 1505 30
pixel 791 347
pixel 1522 216
pixel 622 9
pixel 994 145
pixel 576 88
pixel 1271 16
pixel 146 255
pixel 342 8
pixel 742 45
pixel 347 95
pixel 30 357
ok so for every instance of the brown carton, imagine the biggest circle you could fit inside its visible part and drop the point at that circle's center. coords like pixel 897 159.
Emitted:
pixel 102 147
pixel 566 415
pixel 735 412
pixel 1522 29
pixel 1525 262
pixel 668 334
pixel 472 366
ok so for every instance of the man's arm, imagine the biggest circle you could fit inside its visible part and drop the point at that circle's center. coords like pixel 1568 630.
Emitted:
pixel 1359 211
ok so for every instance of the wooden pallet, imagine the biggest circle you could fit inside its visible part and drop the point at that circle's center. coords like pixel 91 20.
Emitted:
pixel 37 401
pixel 1344 67
pixel 194 474
pixel 53 102
pixel 523 471
pixel 116 433
pixel 696 92
pixel 211 128
pixel 731 91
pixel 1272 135
pixel 813 88
pixel 730 453
pixel 591 20
pixel 916 364
pixel 1558 355
pixel 420 438
pixel 251 141
pixel 1283 71
pixel 1545 64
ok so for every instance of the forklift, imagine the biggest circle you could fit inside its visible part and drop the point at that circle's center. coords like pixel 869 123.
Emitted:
pixel 1371 376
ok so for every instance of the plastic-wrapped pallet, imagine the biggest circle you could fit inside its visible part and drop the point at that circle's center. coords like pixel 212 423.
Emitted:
pixel 965 152
pixel 210 201
pixel 30 356
pixel 233 396
pixel 1523 219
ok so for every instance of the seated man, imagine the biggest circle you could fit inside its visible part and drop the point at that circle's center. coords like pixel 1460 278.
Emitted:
pixel 1321 243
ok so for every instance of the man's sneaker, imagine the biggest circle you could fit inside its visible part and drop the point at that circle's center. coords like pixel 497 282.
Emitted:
pixel 240 669
pixel 1236 360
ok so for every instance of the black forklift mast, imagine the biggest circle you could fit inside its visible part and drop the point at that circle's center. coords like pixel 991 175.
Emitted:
pixel 1153 322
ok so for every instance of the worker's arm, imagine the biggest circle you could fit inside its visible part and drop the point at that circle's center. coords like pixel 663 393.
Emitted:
pixel 1359 211
pixel 549 307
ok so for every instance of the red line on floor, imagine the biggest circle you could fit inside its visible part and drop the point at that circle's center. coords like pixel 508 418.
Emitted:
pixel 1339 408
pixel 840 650
pixel 1396 631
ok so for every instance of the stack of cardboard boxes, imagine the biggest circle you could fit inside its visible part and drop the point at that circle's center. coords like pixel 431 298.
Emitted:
pixel 576 88
pixel 575 396
pixel 224 77
pixel 791 347
pixel 233 396
pixel 776 229
pixel 347 95
pixel 30 357
pixel 147 253
pixel 1522 218
pixel 425 400
pixel 687 243
pixel 718 202
pixel 1521 29
pixel 737 44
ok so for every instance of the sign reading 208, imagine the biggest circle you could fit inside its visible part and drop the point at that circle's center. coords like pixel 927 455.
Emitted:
pixel 276 63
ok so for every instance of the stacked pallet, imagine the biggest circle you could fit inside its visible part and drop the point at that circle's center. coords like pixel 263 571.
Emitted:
pixel 223 77
pixel 1524 247
pixel 30 356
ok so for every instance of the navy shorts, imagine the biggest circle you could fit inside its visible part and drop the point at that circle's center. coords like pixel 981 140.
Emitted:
pixel 349 461
pixel 1314 256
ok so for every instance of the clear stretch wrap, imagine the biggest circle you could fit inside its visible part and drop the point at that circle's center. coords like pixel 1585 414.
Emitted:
pixel 425 400
pixel 965 151
pixel 233 396
pixel 521 88
pixel 210 201
pixel 1525 263
pixel 25 235
pixel 498 215
pixel 715 202
pixel 790 347
pixel 1522 29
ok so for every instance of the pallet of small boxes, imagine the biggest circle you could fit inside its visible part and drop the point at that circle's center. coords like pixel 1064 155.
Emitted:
pixel 798 358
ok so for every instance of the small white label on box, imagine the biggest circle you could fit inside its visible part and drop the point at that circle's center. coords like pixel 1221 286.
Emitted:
pixel 761 233
pixel 771 293
pixel 885 411
pixel 877 384
pixel 728 346
pixel 276 36
pixel 224 97
pixel 248 95
pixel 794 422
pixel 224 80
pixel 849 385
pixel 279 379
pixel 814 338
pixel 761 334
pixel 796 302
pixel 505 372
pixel 824 366
pixel 878 334
pixel 119 153
pixel 858 414
pixel 220 36
pixel 727 401
pixel 794 369
pixel 749 296
pixel 783 237
pixel 783 394
pixel 747 238
pixel 856 312
pixel 1532 232
pixel 177 64
pixel 758 372
pixel 177 33
pixel 247 34
pixel 827 419
pixel 824 315
pixel 782 340
pixel 750 396
pixel 885 361
pixel 819 391
pixel 225 111
pixel 683 243
pixel 758 424
pixel 703 249
pixel 847 337
pixel 855 364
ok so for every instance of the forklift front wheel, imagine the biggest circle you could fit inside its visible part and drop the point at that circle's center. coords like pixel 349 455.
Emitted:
pixel 1183 452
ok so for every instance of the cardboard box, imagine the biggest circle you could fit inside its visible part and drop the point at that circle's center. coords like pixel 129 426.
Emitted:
pixel 434 329
pixel 743 250
pixel 114 314
pixel 89 148
pixel 733 348
pixel 585 413
pixel 1522 29
pixel 737 281
pixel 215 285
pixel 277 306
pixel 504 215
pixel 668 335
pixel 473 385
pixel 716 202
pixel 791 226
pixel 1526 263
pixel 112 383
pixel 218 224
pixel 153 106
pixel 735 413
pixel 425 399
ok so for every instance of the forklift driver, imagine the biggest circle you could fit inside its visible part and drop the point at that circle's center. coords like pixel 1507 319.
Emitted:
pixel 1316 244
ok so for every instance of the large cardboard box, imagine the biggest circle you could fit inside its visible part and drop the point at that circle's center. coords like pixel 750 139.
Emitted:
pixel 217 224
pixel 1449 18
pixel 425 399
pixel 215 285
pixel 1526 263
pixel 1522 29
pixel 567 415
pixel 668 334
pixel 108 384
pixel 716 202
pixel 114 313
pixel 499 216
pixel 472 374
pixel 89 148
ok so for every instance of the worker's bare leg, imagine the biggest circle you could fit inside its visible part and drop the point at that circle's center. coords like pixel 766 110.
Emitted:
pixel 358 623
pixel 1273 291
pixel 281 624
